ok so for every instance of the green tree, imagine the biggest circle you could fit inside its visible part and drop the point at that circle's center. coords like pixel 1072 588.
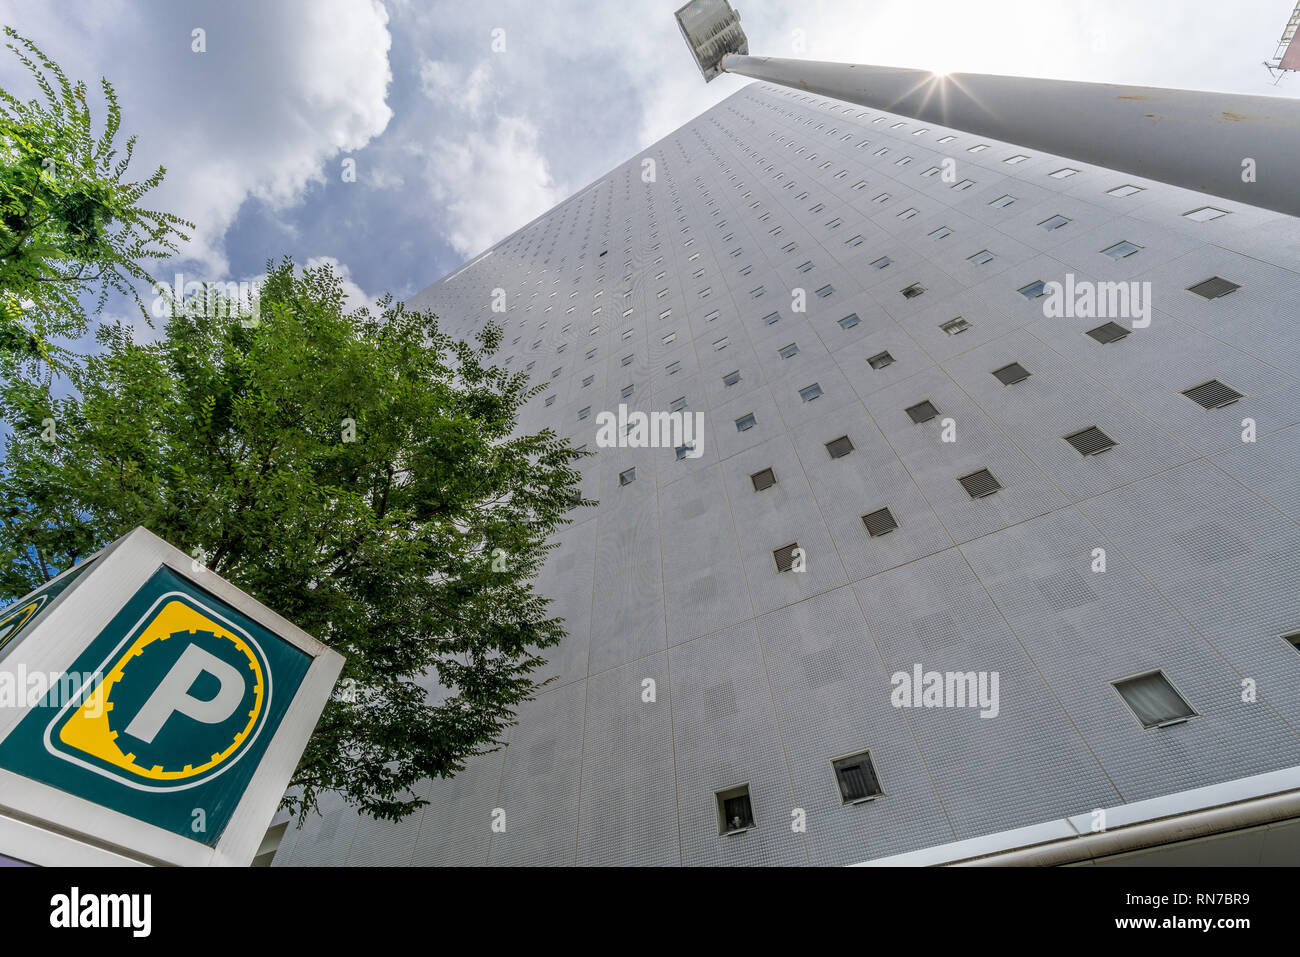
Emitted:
pixel 357 473
pixel 69 222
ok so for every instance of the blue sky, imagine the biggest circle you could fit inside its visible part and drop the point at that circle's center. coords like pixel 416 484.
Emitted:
pixel 457 144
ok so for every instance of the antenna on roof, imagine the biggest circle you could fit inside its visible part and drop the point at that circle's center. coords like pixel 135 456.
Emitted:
pixel 1286 59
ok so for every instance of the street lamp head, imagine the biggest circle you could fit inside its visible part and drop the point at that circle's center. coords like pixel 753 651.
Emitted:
pixel 712 30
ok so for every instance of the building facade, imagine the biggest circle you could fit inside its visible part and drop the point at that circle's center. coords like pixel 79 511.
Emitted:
pixel 992 520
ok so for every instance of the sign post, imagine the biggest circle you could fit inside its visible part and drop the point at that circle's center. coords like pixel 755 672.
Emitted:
pixel 150 713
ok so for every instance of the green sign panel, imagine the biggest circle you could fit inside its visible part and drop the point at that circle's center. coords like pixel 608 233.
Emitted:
pixel 166 714
pixel 19 616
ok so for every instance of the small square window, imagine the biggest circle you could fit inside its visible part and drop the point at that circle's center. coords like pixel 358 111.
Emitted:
pixel 1205 214
pixel 856 776
pixel 787 352
pixel 763 480
pixel 678 404
pixel 880 360
pixel 627 477
pixel 955 326
pixel 1035 290
pixel 825 291
pixel 673 368
pixel 940 233
pixel 964 184
pixel 810 392
pixel 550 400
pixel 771 318
pixel 849 321
pixel 683 450
pixel 721 344
pixel 1090 441
pixel 922 411
pixel 978 148
pixel 933 170
pixel 555 374
pixel 855 241
pixel 588 381
pixel 785 556
pixel 731 378
pixel 1154 700
pixel 979 484
pixel 1126 190
pixel 583 413
pixel 1108 332
pixel 882 262
pixel 1293 640
pixel 1064 173
pixel 627 360
pixel 912 291
pixel 1011 374
pixel 838 448
pixel 980 258
pixel 746 422
pixel 804 267
pixel 670 338
pixel 1055 222
pixel 1213 394
pixel 1216 287
pixel 1015 160
pixel 908 213
pixel 879 522
pixel 1003 201
pixel 626 391
pixel 1121 250
pixel 881 199
pixel 835 223
pixel 757 291
pixel 947 139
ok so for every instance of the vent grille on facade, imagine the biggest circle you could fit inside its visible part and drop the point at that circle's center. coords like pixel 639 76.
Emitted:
pixel 922 411
pixel 880 360
pixel 1216 287
pixel 879 522
pixel 838 448
pixel 1213 394
pixel 981 483
pixel 627 477
pixel 857 778
pixel 1011 374
pixel 1108 332
pixel 1090 441
pixel 763 479
pixel 1154 700
pixel 785 556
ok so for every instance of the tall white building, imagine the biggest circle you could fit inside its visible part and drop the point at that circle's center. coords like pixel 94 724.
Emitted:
pixel 1084 524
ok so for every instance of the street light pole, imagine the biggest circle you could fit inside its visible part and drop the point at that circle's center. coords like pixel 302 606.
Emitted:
pixel 1238 147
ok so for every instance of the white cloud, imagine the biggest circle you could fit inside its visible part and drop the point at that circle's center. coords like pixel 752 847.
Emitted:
pixel 490 182
pixel 354 297
pixel 447 85
pixel 264 113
